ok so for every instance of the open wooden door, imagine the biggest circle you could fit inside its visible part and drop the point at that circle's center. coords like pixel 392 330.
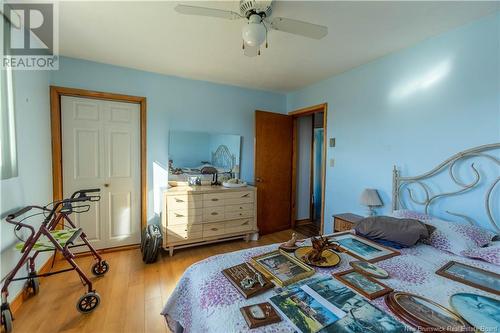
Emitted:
pixel 273 170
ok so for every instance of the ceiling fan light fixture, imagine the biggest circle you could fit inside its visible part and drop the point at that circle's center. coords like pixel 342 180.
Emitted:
pixel 254 33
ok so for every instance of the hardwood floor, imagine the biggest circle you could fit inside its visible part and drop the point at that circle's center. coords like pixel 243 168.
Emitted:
pixel 308 229
pixel 132 293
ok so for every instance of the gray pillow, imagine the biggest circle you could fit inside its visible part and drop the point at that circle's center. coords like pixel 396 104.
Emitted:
pixel 403 231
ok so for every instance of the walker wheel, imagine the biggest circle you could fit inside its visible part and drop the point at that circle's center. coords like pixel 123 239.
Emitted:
pixel 7 320
pixel 88 302
pixel 100 268
pixel 33 284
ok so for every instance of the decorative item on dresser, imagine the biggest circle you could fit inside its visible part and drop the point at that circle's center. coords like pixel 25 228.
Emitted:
pixel 345 222
pixel 205 214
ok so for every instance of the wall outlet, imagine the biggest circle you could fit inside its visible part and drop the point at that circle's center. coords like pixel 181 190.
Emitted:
pixel 332 162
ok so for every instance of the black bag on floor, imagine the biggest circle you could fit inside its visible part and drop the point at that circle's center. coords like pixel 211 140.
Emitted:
pixel 151 243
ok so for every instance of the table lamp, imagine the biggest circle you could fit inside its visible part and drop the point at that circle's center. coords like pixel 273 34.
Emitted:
pixel 371 199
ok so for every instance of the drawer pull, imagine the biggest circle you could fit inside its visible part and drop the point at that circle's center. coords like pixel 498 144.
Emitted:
pixel 214 229
pixel 241 207
pixel 178 215
pixel 178 200
pixel 246 223
pixel 241 214
pixel 246 195
pixel 214 213
pixel 215 199
pixel 185 230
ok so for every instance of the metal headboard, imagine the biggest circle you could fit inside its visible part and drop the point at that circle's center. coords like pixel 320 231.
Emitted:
pixel 223 158
pixel 400 184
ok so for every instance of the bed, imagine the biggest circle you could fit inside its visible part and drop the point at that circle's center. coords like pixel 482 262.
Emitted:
pixel 205 301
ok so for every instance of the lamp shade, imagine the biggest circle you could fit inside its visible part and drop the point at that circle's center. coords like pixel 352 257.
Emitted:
pixel 370 197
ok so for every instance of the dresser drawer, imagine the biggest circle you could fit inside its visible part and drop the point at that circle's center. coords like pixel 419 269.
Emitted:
pixel 213 199
pixel 238 215
pixel 185 216
pixel 341 225
pixel 236 198
pixel 239 225
pixel 213 229
pixel 182 202
pixel 179 233
pixel 237 208
pixel 213 214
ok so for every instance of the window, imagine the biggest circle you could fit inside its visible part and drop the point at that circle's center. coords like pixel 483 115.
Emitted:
pixel 8 161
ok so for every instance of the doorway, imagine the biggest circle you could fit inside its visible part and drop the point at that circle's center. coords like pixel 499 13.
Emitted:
pixel 99 141
pixel 308 176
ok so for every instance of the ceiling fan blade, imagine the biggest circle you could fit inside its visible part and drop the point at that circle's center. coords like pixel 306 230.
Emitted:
pixel 297 27
pixel 204 11
pixel 251 51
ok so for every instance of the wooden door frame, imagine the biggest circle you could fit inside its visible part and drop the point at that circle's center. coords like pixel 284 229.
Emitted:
pixel 56 136
pixel 297 114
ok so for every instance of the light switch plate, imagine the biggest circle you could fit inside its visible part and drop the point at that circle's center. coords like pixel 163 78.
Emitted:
pixel 332 162
pixel 332 142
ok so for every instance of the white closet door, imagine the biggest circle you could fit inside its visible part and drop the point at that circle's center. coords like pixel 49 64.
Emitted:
pixel 101 149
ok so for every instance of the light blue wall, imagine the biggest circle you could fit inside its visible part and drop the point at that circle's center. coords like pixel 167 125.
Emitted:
pixel 33 185
pixel 413 108
pixel 178 104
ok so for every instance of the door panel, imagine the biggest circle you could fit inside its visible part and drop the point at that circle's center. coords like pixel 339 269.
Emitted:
pixel 86 153
pixel 120 215
pixel 90 222
pixel 273 170
pixel 101 149
pixel 120 154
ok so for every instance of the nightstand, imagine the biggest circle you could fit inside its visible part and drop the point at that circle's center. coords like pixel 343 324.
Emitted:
pixel 345 222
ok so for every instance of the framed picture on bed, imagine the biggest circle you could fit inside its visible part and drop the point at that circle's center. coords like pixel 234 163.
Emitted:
pixel 471 276
pixel 362 248
pixel 281 267
pixel 365 285
pixel 425 314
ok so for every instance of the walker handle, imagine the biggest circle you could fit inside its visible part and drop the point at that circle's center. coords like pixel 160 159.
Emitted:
pixel 19 212
pixel 83 193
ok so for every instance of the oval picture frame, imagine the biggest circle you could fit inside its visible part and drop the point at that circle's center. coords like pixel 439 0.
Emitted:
pixel 421 312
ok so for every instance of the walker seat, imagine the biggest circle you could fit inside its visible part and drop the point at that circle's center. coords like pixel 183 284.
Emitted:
pixel 61 236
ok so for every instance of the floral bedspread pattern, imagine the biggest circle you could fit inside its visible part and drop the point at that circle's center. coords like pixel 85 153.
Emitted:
pixel 205 301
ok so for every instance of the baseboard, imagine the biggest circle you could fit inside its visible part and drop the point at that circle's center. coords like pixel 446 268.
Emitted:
pixel 21 297
pixel 302 222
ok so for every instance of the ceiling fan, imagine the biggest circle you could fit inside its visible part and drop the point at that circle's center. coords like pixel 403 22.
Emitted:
pixel 257 13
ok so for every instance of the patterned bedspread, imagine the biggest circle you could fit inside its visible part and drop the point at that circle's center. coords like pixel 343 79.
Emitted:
pixel 205 301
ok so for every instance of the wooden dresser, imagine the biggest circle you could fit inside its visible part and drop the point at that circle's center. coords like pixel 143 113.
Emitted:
pixel 205 214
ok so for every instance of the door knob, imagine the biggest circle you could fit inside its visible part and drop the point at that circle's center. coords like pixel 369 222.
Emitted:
pixel 258 180
pixel 106 185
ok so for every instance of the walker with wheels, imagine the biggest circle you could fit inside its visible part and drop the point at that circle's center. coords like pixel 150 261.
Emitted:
pixel 53 235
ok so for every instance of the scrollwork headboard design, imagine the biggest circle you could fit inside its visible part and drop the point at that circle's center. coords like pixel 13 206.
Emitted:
pixel 404 187
pixel 223 158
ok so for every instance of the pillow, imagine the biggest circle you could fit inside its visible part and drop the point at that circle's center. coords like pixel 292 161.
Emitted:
pixel 383 242
pixel 402 231
pixel 410 214
pixel 457 237
pixel 489 253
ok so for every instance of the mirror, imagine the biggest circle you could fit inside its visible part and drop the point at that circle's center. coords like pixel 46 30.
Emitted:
pixel 190 152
